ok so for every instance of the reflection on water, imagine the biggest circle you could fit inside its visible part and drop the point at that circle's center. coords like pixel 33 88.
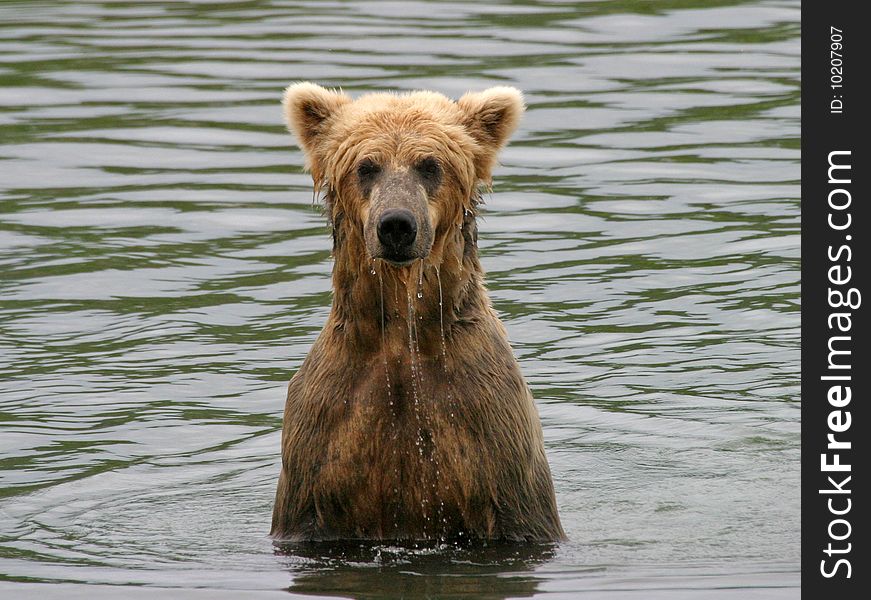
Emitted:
pixel 425 571
pixel 163 273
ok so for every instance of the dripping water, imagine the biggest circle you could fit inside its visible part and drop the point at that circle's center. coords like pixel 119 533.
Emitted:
pixel 414 357
pixel 384 341
pixel 389 391
pixel 448 382
pixel 442 321
pixel 420 282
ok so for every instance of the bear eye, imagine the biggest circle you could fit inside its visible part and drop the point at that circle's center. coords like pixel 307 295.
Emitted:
pixel 429 168
pixel 367 170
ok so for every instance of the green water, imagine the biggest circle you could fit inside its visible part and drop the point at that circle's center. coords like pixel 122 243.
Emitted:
pixel 163 273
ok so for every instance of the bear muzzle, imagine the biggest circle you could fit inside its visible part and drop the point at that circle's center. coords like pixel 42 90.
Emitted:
pixel 398 228
pixel 397 231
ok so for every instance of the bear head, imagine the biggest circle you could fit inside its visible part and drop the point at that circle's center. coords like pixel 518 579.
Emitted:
pixel 401 170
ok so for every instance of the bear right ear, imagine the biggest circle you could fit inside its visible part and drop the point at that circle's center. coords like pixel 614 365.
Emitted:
pixel 490 117
pixel 307 110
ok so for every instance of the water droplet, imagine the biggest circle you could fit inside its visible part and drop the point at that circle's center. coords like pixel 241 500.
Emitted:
pixel 419 294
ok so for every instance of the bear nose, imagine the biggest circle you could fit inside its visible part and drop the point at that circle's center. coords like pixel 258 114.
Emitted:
pixel 397 229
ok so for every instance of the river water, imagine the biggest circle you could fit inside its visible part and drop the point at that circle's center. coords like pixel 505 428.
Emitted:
pixel 163 273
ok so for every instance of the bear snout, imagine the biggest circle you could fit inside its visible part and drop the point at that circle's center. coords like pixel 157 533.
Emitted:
pixel 397 230
pixel 398 225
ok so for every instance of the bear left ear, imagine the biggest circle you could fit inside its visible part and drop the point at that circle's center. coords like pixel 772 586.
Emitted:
pixel 308 109
pixel 491 117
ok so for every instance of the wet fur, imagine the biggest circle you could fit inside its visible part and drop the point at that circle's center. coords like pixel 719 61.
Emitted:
pixel 409 418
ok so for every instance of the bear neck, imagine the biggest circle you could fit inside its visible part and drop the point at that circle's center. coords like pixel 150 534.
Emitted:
pixel 381 308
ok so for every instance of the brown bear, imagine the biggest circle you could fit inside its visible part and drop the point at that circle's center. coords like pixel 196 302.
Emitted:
pixel 409 419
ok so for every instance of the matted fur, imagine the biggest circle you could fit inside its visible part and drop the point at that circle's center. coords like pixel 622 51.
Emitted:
pixel 409 418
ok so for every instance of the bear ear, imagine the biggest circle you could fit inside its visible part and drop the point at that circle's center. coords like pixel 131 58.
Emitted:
pixel 307 110
pixel 491 117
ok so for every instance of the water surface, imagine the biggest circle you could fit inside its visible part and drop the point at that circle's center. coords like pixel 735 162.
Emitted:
pixel 163 273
